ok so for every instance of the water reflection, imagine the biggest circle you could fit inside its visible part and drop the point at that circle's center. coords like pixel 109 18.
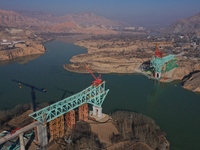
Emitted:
pixel 21 60
pixel 153 97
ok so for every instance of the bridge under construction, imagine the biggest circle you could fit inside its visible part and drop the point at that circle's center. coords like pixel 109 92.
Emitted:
pixel 159 64
pixel 56 120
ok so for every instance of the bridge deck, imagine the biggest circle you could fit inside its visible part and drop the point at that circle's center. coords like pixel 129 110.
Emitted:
pixel 22 130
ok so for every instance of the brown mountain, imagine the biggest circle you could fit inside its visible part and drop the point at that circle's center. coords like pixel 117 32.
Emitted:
pixel 42 22
pixel 13 19
pixel 188 25
pixel 89 19
pixel 72 27
pixel 82 19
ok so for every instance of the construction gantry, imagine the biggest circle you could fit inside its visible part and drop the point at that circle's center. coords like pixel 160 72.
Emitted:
pixel 159 63
pixel 94 95
pixel 61 115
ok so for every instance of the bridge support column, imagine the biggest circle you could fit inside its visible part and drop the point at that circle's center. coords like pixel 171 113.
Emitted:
pixel 21 140
pixel 42 135
pixel 157 75
pixel 83 112
pixel 57 128
pixel 70 119
pixel 97 111
pixel 94 110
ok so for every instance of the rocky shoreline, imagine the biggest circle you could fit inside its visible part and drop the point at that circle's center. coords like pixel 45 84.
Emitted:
pixel 17 42
pixel 108 56
pixel 20 50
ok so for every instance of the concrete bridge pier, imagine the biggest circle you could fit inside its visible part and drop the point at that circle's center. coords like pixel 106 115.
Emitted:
pixel 42 134
pixel 158 75
pixel 21 140
pixel 97 111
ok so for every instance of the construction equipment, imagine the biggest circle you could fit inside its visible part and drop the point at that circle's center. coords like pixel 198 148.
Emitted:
pixel 94 95
pixel 162 63
pixel 97 80
pixel 33 88
pixel 158 53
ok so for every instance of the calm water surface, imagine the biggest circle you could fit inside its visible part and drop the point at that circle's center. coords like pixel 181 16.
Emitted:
pixel 174 109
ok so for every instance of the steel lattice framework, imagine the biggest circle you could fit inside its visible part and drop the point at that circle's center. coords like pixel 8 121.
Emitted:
pixel 94 95
pixel 157 63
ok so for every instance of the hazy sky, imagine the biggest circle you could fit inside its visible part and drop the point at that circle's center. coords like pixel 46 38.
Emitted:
pixel 137 12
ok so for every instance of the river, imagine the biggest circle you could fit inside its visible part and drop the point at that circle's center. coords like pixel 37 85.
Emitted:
pixel 173 108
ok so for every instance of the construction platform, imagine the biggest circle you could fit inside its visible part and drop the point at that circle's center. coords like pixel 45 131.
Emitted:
pixel 103 118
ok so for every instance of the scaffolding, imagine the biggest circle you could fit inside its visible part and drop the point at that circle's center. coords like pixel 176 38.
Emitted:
pixel 70 119
pixel 83 112
pixel 57 128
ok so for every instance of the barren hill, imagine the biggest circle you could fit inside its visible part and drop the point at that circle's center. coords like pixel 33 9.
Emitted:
pixel 82 19
pixel 88 19
pixel 188 25
pixel 13 19
pixel 42 22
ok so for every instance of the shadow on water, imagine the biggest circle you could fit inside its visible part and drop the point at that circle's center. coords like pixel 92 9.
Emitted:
pixel 1 92
pixel 129 110
pixel 64 92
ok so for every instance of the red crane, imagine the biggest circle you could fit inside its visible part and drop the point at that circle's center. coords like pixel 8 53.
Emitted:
pixel 157 52
pixel 97 80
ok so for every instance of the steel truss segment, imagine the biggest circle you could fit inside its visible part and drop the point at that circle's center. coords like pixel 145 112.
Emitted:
pixel 158 63
pixel 94 95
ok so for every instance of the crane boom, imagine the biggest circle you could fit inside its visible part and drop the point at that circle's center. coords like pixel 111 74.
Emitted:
pixel 158 53
pixel 33 88
pixel 97 80
pixel 90 71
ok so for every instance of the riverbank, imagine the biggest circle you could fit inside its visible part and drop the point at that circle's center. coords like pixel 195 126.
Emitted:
pixel 19 43
pixel 21 50
pixel 125 56
pixel 174 109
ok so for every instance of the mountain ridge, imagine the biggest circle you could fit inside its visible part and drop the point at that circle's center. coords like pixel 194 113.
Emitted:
pixel 83 18
pixel 75 23
pixel 13 19
pixel 186 25
pixel 82 22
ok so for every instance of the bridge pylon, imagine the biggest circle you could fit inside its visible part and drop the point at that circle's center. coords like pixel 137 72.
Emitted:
pixel 97 111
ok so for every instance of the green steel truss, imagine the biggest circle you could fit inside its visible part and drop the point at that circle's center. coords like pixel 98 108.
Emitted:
pixel 94 95
pixel 157 63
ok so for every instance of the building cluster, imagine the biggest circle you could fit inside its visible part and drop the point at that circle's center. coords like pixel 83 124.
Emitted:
pixel 129 28
pixel 10 44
